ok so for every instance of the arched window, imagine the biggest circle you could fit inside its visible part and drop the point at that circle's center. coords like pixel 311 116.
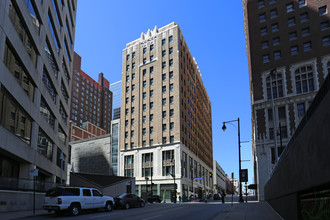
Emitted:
pixel 277 86
pixel 304 79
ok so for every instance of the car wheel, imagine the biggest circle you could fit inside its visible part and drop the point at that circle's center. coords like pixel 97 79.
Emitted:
pixel 142 204
pixel 75 209
pixel 108 207
pixel 127 206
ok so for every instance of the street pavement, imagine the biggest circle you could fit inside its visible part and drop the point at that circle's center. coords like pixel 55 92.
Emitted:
pixel 211 210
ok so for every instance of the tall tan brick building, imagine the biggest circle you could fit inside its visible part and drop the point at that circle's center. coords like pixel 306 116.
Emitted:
pixel 166 126
pixel 288 49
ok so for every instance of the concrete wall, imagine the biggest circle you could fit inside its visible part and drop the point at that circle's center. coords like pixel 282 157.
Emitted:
pixel 304 164
pixel 18 201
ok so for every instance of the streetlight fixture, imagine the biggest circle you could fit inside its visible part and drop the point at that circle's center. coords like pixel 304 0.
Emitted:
pixel 239 155
pixel 173 176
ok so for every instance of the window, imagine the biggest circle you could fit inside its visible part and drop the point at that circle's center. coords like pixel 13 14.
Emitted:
pixel 126 134
pixel 307 46
pixel 164 127
pixel 151 130
pixel 163 65
pixel 127 57
pixel 264 44
pixel 171 87
pixel 163 53
pixel 163 42
pixel 127 89
pixel 164 77
pixel 266 58
pixel 171 100
pixel 151 47
pixel 277 55
pixel 324 25
pixel 127 78
pixel 144 60
pixel 144 72
pixel 133 99
pixel 304 79
pixel 164 140
pixel 164 101
pixel 281 113
pixel 171 50
pixel 171 112
pixel 144 50
pixel 151 81
pixel 293 35
pixel 144 107
pixel 132 110
pixel 151 142
pixel 129 166
pixel 164 89
pixel 261 3
pixel 133 65
pixel 262 17
pixel 289 7
pixel 143 131
pixel 276 41
pixel 151 93
pixel 151 69
pixel 301 109
pixel 144 143
pixel 127 68
pixel 171 62
pixel 126 123
pixel 263 31
pixel 274 85
pixel 172 126
pixel 304 17
pixel 151 58
pixel 144 84
pixel 326 41
pixel 323 10
pixel 275 27
pixel 291 21
pixel 126 110
pixel 302 3
pixel 171 75
pixel 272 1
pixel 144 95
pixel 151 117
pixel 151 105
pixel 273 13
pixel 294 50
pixel 132 145
pixel 164 114
pixel 170 39
pixel 133 55
pixel 132 122
pixel 172 139
pixel 305 31
pixel 133 87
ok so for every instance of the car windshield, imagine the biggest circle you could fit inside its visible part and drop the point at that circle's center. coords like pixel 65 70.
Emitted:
pixel 122 196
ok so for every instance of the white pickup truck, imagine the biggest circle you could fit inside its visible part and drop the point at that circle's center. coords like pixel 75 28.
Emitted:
pixel 74 199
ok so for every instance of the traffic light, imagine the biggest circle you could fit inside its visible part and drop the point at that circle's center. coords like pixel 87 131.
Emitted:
pixel 210 175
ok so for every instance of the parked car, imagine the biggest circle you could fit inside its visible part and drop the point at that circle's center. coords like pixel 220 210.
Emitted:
pixel 155 198
pixel 128 200
pixel 74 199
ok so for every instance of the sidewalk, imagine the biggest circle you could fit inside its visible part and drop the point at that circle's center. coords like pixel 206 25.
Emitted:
pixel 21 214
pixel 252 211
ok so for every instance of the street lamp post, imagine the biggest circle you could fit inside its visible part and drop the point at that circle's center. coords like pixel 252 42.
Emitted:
pixel 271 74
pixel 62 160
pixel 239 155
pixel 146 178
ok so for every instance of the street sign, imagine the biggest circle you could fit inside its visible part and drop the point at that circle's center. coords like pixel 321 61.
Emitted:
pixel 198 178
pixel 244 175
pixel 34 172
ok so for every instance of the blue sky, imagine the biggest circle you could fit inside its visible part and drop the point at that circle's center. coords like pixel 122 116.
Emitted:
pixel 214 32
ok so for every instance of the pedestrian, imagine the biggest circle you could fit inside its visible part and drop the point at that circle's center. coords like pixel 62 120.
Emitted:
pixel 180 199
pixel 223 196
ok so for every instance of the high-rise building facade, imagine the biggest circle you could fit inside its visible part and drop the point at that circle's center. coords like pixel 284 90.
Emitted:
pixel 36 53
pixel 288 49
pixel 166 127
pixel 116 92
pixel 91 100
